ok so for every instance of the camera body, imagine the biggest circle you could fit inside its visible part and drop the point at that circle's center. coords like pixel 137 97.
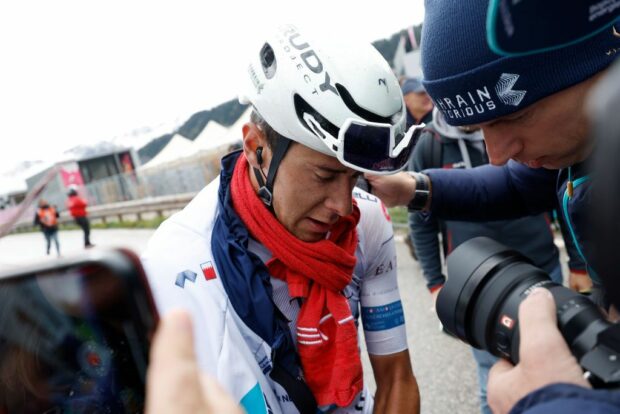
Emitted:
pixel 75 335
pixel 480 301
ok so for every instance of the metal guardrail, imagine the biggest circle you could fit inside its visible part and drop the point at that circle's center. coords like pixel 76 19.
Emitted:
pixel 122 211
pixel 135 210
pixel 138 208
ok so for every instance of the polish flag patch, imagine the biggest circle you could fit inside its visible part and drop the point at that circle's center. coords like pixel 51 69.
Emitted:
pixel 208 270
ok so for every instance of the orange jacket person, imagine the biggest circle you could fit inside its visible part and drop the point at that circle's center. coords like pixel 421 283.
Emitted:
pixel 47 218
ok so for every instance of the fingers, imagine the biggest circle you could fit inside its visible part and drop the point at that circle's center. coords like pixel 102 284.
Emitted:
pixel 174 337
pixel 393 190
pixel 173 376
pixel 500 367
pixel 537 313
pixel 503 387
pixel 543 353
pixel 174 381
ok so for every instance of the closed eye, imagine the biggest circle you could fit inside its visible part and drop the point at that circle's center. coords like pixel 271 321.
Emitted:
pixel 324 178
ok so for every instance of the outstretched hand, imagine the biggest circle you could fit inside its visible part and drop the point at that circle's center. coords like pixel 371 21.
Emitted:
pixel 393 190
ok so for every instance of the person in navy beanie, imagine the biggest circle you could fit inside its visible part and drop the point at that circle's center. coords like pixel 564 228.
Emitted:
pixel 530 108
pixel 471 84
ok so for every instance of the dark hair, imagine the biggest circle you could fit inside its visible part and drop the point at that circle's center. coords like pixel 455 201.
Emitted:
pixel 272 136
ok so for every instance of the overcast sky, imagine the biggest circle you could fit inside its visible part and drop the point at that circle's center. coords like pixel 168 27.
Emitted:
pixel 78 71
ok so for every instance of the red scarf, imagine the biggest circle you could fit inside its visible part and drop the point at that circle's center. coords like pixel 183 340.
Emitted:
pixel 317 272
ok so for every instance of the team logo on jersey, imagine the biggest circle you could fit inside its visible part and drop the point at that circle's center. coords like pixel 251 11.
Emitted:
pixel 207 270
pixel 384 317
pixel 183 276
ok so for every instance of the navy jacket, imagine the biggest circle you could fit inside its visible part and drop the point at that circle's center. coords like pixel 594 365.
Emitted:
pixel 515 190
pixel 530 235
pixel 568 399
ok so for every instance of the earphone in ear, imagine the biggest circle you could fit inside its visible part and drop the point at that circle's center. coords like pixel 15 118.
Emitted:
pixel 259 155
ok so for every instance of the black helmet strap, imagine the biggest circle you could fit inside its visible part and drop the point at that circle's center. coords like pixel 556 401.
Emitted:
pixel 265 190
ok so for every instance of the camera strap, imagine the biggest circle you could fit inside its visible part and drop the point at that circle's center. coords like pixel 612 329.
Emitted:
pixel 296 388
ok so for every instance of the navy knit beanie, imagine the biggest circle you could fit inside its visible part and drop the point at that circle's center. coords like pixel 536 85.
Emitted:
pixel 470 84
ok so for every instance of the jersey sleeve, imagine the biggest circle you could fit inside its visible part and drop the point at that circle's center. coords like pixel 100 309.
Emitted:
pixel 382 313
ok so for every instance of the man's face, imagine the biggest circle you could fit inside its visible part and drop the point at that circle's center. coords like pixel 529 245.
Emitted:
pixel 311 192
pixel 418 103
pixel 551 133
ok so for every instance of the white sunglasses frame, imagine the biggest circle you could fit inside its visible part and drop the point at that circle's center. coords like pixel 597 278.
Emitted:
pixel 395 150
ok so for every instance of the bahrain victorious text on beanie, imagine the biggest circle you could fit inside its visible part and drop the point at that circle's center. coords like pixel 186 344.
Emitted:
pixel 470 84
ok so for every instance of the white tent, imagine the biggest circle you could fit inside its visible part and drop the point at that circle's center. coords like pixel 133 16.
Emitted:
pixel 178 147
pixel 211 136
pixel 215 135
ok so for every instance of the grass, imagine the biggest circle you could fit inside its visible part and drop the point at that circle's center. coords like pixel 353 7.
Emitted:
pixel 138 224
pixel 398 214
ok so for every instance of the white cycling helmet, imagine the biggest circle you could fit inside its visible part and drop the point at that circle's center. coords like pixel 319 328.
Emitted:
pixel 339 98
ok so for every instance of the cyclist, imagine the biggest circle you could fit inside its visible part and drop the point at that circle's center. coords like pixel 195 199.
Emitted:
pixel 281 256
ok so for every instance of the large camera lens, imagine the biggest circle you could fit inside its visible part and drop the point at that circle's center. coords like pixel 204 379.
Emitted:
pixel 486 283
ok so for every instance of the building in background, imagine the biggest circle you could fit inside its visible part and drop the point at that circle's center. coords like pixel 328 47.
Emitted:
pixel 107 172
pixel 406 61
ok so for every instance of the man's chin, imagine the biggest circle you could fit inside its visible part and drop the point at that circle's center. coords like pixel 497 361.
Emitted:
pixel 309 236
pixel 556 164
pixel 545 163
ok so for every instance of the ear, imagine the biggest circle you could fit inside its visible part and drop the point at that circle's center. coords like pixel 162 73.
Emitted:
pixel 253 138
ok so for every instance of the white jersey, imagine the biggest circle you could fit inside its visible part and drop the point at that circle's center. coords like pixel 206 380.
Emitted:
pixel 183 274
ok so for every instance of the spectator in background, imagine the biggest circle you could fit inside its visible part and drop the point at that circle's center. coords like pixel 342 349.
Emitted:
pixel 448 147
pixel 46 217
pixel 419 104
pixel 419 110
pixel 77 208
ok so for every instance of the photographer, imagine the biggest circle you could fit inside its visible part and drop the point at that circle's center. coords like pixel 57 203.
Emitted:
pixel 530 109
pixel 548 378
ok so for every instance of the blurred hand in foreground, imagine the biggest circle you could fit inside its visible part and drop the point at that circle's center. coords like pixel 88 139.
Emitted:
pixel 174 381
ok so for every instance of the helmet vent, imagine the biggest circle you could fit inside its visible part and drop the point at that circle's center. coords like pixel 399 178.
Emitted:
pixel 358 110
pixel 316 130
pixel 268 60
pixel 302 107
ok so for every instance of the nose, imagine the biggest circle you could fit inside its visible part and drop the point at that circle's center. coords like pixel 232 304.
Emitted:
pixel 340 198
pixel 501 145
